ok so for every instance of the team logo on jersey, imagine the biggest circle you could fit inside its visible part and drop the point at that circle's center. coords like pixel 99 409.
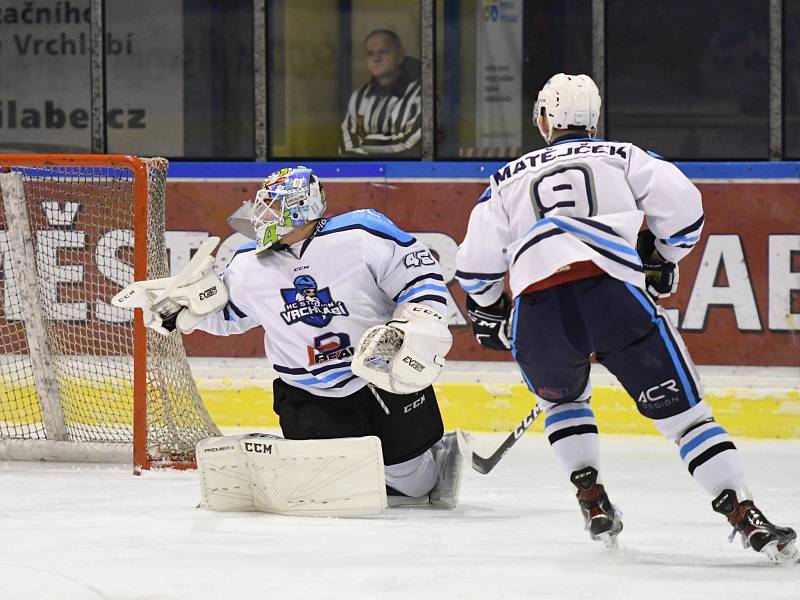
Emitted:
pixel 307 303
pixel 329 346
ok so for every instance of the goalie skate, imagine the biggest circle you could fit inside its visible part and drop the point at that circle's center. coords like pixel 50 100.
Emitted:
pixel 777 543
pixel 449 455
pixel 603 520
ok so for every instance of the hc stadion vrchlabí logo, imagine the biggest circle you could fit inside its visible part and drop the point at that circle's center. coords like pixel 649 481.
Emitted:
pixel 307 303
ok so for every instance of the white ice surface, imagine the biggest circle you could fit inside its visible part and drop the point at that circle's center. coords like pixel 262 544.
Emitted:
pixel 96 532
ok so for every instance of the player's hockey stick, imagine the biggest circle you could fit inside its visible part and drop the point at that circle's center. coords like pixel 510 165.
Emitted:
pixel 485 464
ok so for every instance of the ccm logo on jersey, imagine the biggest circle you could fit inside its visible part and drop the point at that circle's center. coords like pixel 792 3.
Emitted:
pixel 419 308
pixel 415 404
pixel 258 448
pixel 212 291
pixel 414 364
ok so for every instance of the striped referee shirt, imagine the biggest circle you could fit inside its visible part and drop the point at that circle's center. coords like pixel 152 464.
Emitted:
pixel 385 119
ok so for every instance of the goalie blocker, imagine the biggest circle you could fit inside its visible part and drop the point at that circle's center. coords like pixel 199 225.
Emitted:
pixel 406 354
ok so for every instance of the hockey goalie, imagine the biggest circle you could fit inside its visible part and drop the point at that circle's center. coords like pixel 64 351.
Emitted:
pixel 353 312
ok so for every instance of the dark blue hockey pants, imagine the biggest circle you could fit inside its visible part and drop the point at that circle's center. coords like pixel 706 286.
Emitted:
pixel 555 332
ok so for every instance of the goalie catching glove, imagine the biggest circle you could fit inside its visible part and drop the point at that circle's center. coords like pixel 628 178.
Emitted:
pixel 490 323
pixel 660 276
pixel 182 301
pixel 406 354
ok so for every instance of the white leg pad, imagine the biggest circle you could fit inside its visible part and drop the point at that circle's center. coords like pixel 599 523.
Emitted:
pixel 338 477
pixel 224 474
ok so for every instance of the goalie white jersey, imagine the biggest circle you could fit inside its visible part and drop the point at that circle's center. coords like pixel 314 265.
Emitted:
pixel 580 199
pixel 316 299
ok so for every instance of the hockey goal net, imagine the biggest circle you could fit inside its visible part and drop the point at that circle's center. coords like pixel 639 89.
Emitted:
pixel 81 379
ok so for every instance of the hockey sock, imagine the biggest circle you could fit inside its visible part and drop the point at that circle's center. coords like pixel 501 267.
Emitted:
pixel 415 477
pixel 572 431
pixel 712 459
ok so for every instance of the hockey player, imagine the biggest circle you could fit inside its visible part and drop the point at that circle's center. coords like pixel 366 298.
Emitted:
pixel 564 222
pixel 319 285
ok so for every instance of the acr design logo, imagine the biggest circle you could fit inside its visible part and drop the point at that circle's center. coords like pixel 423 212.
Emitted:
pixel 329 346
pixel 307 303
pixel 659 392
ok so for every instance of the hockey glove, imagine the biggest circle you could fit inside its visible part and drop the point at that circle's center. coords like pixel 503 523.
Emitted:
pixel 660 276
pixel 407 354
pixel 180 302
pixel 490 323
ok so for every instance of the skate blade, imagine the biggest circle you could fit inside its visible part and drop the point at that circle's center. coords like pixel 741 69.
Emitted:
pixel 786 555
pixel 407 501
pixel 609 540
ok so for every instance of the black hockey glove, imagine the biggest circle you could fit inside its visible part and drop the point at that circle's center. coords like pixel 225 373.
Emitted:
pixel 490 323
pixel 660 276
pixel 169 320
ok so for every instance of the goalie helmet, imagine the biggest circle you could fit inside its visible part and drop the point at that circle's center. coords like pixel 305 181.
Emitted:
pixel 569 101
pixel 287 199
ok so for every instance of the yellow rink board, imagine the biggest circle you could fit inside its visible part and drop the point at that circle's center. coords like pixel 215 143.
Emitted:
pixel 472 407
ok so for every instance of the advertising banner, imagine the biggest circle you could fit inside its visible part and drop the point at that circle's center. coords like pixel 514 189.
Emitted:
pixel 45 79
pixel 499 77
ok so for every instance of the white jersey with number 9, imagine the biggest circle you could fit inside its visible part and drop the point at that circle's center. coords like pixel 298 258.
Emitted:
pixel 579 199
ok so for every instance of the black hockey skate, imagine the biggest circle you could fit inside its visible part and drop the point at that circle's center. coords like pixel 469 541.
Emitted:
pixel 756 531
pixel 603 519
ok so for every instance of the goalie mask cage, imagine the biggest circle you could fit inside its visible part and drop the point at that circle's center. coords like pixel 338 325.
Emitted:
pixel 81 379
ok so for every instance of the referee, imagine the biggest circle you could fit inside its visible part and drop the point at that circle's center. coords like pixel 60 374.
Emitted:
pixel 384 116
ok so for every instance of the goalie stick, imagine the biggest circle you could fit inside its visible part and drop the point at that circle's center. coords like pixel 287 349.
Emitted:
pixel 485 464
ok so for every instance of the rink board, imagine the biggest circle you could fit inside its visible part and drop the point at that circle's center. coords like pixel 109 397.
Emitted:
pixel 486 407
pixel 473 407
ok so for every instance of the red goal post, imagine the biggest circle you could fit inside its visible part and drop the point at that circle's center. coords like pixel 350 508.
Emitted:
pixel 80 378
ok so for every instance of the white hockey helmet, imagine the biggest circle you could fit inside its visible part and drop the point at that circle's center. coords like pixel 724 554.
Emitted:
pixel 287 199
pixel 569 101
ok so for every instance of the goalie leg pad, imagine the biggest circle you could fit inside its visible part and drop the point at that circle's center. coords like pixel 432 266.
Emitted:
pixel 325 478
pixel 224 475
